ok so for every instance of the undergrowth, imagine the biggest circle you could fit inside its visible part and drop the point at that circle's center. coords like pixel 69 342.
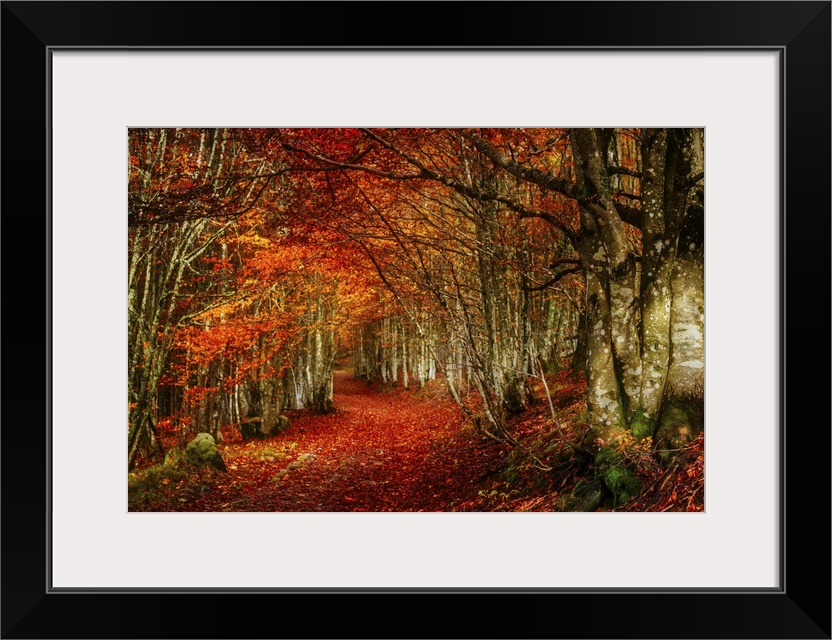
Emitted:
pixel 411 451
pixel 160 487
pixel 551 470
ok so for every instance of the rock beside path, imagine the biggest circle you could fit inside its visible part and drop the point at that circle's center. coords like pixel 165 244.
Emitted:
pixel 202 451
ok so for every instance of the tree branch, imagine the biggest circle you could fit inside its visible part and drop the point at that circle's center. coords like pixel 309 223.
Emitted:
pixel 426 173
pixel 563 186
pixel 692 180
pixel 555 279
pixel 623 171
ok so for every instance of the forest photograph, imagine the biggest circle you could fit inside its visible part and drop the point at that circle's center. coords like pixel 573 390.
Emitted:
pixel 416 320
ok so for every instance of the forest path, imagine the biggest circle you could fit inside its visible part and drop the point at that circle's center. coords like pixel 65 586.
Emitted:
pixel 388 450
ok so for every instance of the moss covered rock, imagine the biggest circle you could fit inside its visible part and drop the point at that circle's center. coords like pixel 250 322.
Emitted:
pixel 250 428
pixel 612 469
pixel 259 428
pixel 587 496
pixel 202 451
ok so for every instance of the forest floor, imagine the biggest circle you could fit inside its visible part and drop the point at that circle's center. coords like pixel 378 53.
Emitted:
pixel 387 449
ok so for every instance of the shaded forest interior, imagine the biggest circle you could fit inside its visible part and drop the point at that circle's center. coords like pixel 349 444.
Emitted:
pixel 416 319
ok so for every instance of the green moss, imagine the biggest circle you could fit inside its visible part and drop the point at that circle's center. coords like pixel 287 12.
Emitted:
pixel 269 453
pixel 623 484
pixel 641 425
pixel 174 458
pixel 202 450
pixel 566 502
pixel 580 488
pixel 612 469
pixel 147 489
pixel 586 496
pixel 680 422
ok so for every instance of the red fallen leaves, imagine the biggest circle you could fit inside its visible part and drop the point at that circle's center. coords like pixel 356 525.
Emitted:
pixel 679 488
pixel 396 450
pixel 389 450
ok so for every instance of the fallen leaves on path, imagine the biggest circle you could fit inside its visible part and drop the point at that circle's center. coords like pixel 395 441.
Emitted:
pixel 385 450
pixel 389 450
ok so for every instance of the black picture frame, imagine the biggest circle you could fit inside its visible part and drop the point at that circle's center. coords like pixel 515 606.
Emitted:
pixel 800 608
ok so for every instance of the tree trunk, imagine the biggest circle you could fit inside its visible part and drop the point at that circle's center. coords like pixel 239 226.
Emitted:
pixel 645 361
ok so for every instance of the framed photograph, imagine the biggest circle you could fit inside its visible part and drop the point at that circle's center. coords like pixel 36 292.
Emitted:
pixel 92 90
